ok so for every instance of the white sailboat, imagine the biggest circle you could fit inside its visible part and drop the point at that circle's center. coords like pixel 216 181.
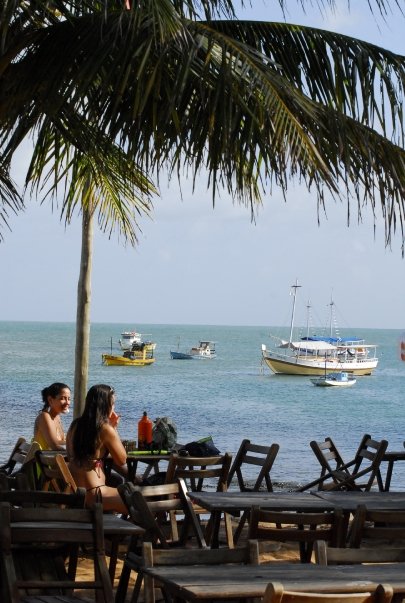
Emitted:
pixel 313 355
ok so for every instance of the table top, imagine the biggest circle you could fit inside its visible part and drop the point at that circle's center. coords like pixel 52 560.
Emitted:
pixel 112 526
pixel 377 501
pixel 147 456
pixel 394 455
pixel 244 581
pixel 241 501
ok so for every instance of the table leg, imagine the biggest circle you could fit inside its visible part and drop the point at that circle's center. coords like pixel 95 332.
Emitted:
pixel 388 476
pixel 212 534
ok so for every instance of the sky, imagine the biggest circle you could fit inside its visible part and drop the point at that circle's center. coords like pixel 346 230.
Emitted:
pixel 199 264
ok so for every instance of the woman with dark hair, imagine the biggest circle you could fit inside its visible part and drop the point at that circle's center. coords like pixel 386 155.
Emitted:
pixel 91 438
pixel 48 429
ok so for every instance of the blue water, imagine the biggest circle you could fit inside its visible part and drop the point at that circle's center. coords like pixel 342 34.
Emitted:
pixel 231 398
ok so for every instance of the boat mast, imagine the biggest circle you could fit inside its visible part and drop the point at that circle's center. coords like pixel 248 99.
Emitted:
pixel 293 292
pixel 333 330
pixel 332 303
pixel 308 312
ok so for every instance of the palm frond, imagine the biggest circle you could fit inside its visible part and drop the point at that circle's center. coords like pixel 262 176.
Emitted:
pixel 10 200
pixel 73 179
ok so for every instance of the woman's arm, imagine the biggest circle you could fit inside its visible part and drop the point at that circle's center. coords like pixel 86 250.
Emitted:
pixel 112 442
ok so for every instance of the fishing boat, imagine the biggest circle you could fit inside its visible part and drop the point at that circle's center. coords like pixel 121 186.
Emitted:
pixel 204 349
pixel 314 355
pixel 339 379
pixel 140 354
pixel 129 338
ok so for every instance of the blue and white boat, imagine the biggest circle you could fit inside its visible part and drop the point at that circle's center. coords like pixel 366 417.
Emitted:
pixel 339 379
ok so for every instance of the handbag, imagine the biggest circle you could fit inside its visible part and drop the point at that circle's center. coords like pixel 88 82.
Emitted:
pixel 203 447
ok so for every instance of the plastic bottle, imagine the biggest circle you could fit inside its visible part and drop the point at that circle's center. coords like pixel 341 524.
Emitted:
pixel 144 432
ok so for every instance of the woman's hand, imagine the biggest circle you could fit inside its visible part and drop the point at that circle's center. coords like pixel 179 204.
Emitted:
pixel 114 419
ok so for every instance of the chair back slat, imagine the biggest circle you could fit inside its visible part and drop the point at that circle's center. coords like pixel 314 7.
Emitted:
pixel 195 471
pixel 275 593
pixel 248 554
pixel 370 527
pixel 304 528
pixel 328 555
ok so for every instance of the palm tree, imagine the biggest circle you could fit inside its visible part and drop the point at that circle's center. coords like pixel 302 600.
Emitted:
pixel 108 185
pixel 182 85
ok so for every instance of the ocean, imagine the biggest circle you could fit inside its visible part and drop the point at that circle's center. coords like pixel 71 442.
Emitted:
pixel 230 398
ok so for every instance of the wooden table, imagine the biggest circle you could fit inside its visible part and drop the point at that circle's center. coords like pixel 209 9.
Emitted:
pixel 116 528
pixel 235 502
pixel 376 501
pixel 246 581
pixel 152 461
pixel 391 458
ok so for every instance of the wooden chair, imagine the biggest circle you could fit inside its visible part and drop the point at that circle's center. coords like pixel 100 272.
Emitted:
pixel 39 498
pixel 198 473
pixel 329 555
pixel 54 473
pixel 275 593
pixel 361 473
pixel 14 458
pixel 19 481
pixel 377 528
pixel 22 459
pixel 304 528
pixel 32 545
pixel 148 507
pixel 252 455
pixel 248 554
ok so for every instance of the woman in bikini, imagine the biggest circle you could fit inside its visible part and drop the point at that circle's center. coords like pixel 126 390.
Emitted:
pixel 48 428
pixel 90 439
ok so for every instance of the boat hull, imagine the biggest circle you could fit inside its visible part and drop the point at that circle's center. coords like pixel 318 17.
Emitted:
pixel 111 360
pixel 180 356
pixel 338 381
pixel 299 365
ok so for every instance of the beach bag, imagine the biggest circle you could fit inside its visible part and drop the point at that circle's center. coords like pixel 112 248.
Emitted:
pixel 164 434
pixel 203 447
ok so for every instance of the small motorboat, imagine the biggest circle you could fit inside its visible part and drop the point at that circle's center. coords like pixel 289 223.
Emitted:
pixel 204 349
pixel 339 379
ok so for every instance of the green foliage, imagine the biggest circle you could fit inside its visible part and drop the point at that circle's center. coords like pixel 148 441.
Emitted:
pixel 184 86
